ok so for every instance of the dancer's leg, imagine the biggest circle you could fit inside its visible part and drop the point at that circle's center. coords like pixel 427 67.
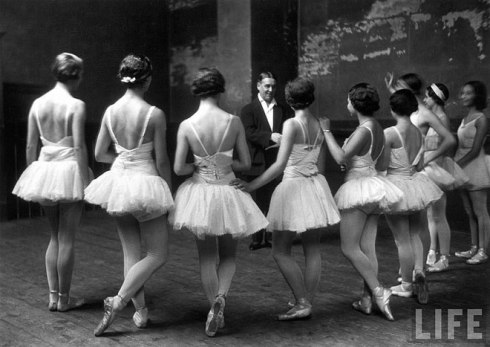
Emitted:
pixel 399 225
pixel 313 260
pixel 438 226
pixel 70 215
pixel 208 257
pixel 131 245
pixel 281 251
pixel 51 258
pixel 479 203
pixel 226 269
pixel 155 236
pixel 351 229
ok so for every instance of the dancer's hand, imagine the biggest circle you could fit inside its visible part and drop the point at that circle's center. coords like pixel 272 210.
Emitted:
pixel 389 82
pixel 324 123
pixel 240 184
pixel 276 137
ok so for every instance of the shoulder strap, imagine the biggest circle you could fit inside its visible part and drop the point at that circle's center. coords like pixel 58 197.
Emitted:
pixel 109 125
pixel 66 119
pixel 305 137
pixel 198 138
pixel 372 137
pixel 145 125
pixel 225 133
pixel 36 115
pixel 400 137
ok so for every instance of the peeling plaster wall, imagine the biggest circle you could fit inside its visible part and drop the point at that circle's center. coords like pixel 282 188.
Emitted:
pixel 343 42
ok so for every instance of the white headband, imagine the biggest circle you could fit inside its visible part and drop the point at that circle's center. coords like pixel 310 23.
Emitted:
pixel 438 92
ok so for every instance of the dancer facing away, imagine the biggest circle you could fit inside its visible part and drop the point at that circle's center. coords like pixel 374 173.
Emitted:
pixel 436 96
pixel 364 194
pixel 471 157
pixel 205 204
pixel 302 203
pixel 429 124
pixel 57 177
pixel 403 156
pixel 135 190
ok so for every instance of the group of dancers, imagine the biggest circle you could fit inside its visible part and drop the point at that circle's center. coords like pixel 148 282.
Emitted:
pixel 402 171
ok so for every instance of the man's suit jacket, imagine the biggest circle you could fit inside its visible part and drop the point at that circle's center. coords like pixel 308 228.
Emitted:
pixel 258 133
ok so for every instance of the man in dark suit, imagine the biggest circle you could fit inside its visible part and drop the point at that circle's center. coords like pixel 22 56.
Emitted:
pixel 263 119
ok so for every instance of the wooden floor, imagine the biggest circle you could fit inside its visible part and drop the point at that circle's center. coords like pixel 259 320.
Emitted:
pixel 178 307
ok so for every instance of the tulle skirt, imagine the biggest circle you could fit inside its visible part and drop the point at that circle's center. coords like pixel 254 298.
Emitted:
pixel 371 194
pixel 49 182
pixel 439 176
pixel 121 192
pixel 215 209
pixel 477 170
pixel 302 203
pixel 460 177
pixel 419 191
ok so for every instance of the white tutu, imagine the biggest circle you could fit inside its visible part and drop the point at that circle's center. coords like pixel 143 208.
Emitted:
pixel 371 194
pixel 215 209
pixel 419 191
pixel 121 192
pixel 302 203
pixel 460 178
pixel 50 181
pixel 439 176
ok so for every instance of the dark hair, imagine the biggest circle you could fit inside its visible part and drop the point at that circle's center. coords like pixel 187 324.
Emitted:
pixel 414 82
pixel 67 66
pixel 208 82
pixel 480 91
pixel 403 102
pixel 432 94
pixel 134 70
pixel 264 75
pixel 300 93
pixel 364 98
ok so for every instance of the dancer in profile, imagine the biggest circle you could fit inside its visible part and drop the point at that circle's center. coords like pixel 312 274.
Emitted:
pixel 302 203
pixel 363 195
pixel 135 190
pixel 403 156
pixel 436 96
pixel 471 157
pixel 57 177
pixel 205 204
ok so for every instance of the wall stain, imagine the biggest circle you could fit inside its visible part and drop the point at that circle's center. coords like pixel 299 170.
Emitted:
pixel 383 32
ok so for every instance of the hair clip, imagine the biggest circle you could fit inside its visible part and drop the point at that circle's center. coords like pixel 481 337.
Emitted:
pixel 128 79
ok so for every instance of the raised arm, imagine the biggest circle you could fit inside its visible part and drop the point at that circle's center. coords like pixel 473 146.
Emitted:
pixel 160 144
pixel 287 142
pixel 182 168
pixel 243 162
pixel 481 125
pixel 447 139
pixel 79 144
pixel 103 151
pixel 32 136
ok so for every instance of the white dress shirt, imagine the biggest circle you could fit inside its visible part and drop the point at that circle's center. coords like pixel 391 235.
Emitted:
pixel 268 110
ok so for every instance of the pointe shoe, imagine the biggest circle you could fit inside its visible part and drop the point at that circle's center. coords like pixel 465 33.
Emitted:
pixel 215 316
pixel 404 290
pixel 421 288
pixel 364 305
pixel 431 257
pixel 72 303
pixel 301 310
pixel 140 317
pixel 467 254
pixel 479 258
pixel 441 265
pixel 53 300
pixel 109 314
pixel 382 297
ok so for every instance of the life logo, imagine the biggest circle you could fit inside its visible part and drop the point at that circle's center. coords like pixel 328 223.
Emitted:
pixel 450 324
